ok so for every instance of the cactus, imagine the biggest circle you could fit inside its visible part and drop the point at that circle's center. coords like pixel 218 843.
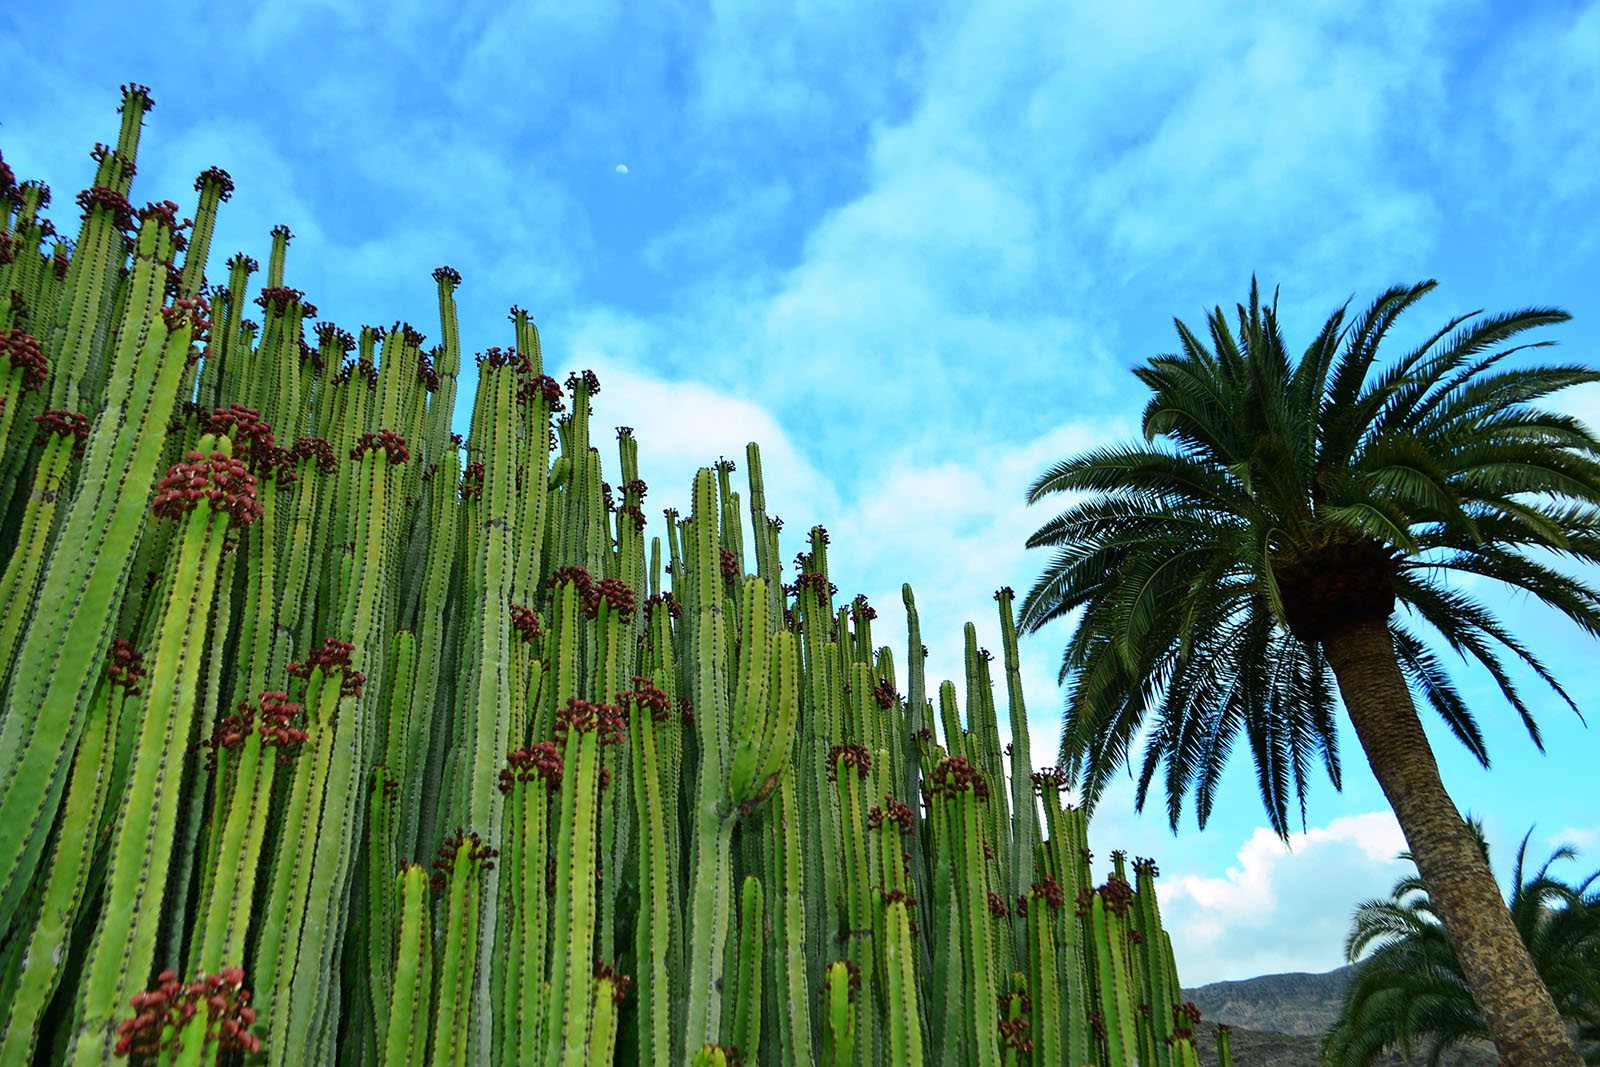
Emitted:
pixel 674 809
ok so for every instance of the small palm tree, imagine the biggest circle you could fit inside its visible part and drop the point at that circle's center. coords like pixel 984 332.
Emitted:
pixel 1411 987
pixel 1235 574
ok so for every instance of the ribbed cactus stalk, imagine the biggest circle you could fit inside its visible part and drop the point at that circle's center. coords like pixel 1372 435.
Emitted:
pixel 207 493
pixel 65 645
pixel 464 861
pixel 405 1042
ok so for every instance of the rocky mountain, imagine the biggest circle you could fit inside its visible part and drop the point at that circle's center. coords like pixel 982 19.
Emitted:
pixel 1278 1020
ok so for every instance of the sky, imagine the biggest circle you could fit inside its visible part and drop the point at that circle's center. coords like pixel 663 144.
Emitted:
pixel 913 250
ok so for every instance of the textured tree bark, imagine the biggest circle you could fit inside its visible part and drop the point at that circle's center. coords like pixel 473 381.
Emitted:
pixel 1517 1008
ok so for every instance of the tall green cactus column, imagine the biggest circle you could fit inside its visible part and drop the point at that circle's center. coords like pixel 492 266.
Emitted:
pixel 208 493
pixel 64 648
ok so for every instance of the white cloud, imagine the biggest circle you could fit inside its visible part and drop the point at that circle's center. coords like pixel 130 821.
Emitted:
pixel 1280 907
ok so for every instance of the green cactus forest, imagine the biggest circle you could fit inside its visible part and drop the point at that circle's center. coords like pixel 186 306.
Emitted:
pixel 329 737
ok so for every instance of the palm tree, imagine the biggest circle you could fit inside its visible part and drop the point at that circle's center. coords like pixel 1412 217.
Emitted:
pixel 1239 571
pixel 1411 986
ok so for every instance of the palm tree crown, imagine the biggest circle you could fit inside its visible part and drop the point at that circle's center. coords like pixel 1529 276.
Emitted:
pixel 1273 504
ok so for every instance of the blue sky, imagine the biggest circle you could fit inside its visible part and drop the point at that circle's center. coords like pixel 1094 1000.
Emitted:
pixel 913 249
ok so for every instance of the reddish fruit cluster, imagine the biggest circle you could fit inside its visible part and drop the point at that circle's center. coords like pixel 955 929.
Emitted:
pixel 239 259
pixel 1014 1035
pixel 884 695
pixel 498 357
pixel 582 716
pixel 196 313
pixel 816 581
pixel 1049 890
pixel 862 609
pixel 685 711
pixel 332 657
pixel 164 214
pixel 329 334
pixel 724 465
pixel 631 511
pixel 1051 776
pixel 218 479
pixel 541 761
pixel 8 252
pixel 634 488
pixel 110 199
pixel 954 776
pixel 620 983
pixel 241 425
pixel 161 1013
pixel 392 443
pixel 62 424
pixel 541 385
pixel 125 667
pixel 586 379
pixel 229 731
pixel 855 756
pixel 647 696
pixel 445 859
pixel 606 499
pixel 410 335
pixel 894 813
pixel 447 274
pixel 667 600
pixel 855 981
pixel 997 905
pixel 218 177
pixel 426 374
pixel 23 350
pixel 319 450
pixel 1141 865
pixel 1187 1011
pixel 472 481
pixel 1005 591
pixel 730 564
pixel 1117 894
pixel 526 623
pixel 278 730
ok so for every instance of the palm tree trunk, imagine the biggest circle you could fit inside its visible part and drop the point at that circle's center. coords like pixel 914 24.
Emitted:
pixel 1517 1008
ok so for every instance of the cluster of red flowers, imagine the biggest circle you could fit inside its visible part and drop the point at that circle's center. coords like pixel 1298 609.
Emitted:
pixel 165 213
pixel 498 357
pixel 884 695
pixel 997 905
pixel 1051 776
pixel 161 1013
pixel 855 980
pixel 279 715
pixel 218 479
pixel 539 761
pixel 472 481
pixel 816 581
pixel 125 667
pixel 582 716
pixel 666 600
pixel 647 696
pixel 62 424
pixel 391 442
pixel 23 351
pixel 318 449
pixel 954 776
pixel 862 609
pixel 218 177
pixel 730 564
pixel 1050 891
pixel 587 379
pixel 526 623
pixel 333 656
pixel 445 859
pixel 447 274
pixel 894 813
pixel 113 201
pixel 541 385
pixel 229 731
pixel 1141 865
pixel 620 983
pixel 855 756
